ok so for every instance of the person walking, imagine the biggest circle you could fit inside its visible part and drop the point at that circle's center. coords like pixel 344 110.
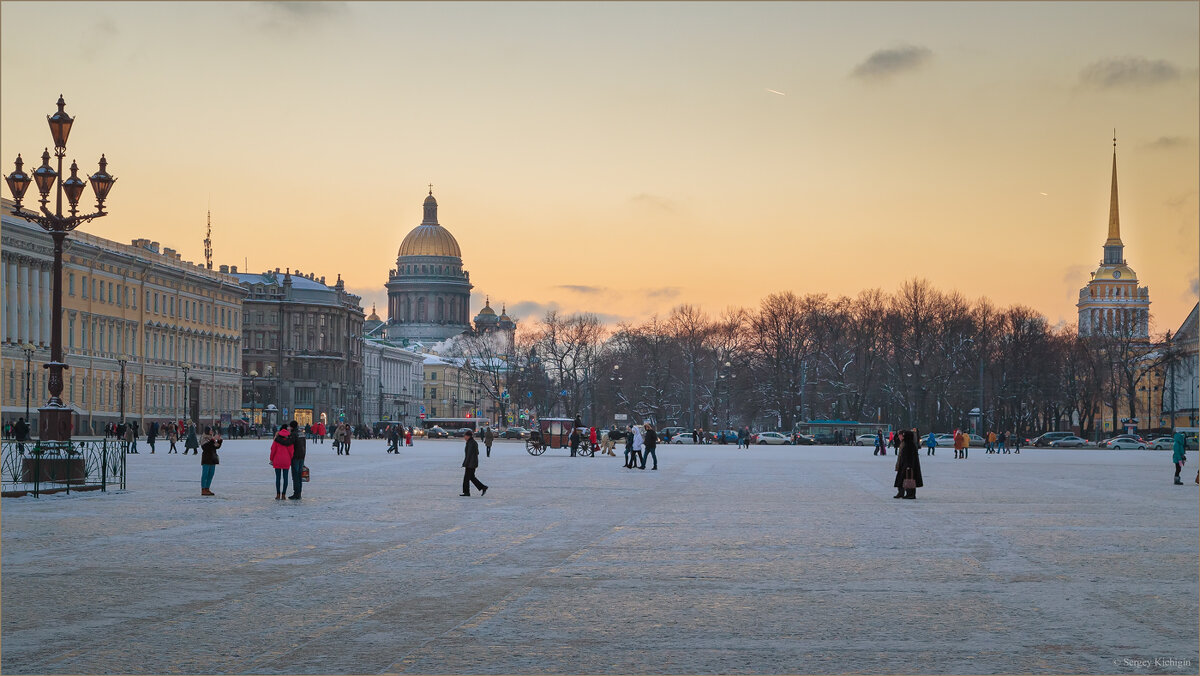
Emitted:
pixel 639 443
pixel 131 435
pixel 208 459
pixel 962 441
pixel 191 442
pixel 908 467
pixel 1003 441
pixel 1016 441
pixel 488 438
pixel 991 442
pixel 576 437
pixel 930 444
pixel 172 437
pixel 593 441
pixel 470 463
pixel 1179 456
pixel 299 445
pixel 651 442
pixel 408 436
pixel 281 460
pixel 880 449
pixel 21 432
pixel 896 436
pixel 151 435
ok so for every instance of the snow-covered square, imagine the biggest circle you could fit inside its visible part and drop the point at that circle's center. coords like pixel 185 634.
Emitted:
pixel 768 560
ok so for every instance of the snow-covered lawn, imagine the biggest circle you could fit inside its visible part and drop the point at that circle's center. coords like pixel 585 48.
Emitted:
pixel 774 559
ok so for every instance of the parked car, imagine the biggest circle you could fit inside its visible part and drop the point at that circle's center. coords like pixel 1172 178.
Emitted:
pixel 728 436
pixel 799 439
pixel 683 438
pixel 769 438
pixel 1049 437
pixel 462 432
pixel 1123 441
pixel 668 433
pixel 1071 441
pixel 436 432
pixel 515 433
pixel 943 440
pixel 1162 444
pixel 865 440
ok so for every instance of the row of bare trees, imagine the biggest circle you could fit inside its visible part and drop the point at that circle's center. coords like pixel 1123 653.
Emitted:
pixel 919 356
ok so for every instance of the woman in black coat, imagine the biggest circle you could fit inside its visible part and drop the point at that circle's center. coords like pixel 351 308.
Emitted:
pixel 908 459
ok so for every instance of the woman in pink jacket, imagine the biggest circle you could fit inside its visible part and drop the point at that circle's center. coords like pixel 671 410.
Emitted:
pixel 281 460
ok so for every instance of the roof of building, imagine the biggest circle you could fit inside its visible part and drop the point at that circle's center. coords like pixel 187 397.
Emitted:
pixel 430 238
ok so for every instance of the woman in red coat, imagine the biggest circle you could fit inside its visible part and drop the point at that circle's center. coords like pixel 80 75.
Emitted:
pixel 281 460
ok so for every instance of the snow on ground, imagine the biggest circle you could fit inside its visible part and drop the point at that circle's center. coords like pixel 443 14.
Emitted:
pixel 774 559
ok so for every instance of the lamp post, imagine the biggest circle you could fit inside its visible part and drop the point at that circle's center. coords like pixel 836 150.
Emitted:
pixel 55 419
pixel 187 390
pixel 122 360
pixel 28 349
pixel 253 399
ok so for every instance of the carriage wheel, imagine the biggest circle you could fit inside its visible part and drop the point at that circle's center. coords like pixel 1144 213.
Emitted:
pixel 587 450
pixel 534 449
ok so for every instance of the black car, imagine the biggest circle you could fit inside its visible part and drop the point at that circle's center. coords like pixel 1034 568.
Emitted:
pixel 436 432
pixel 515 433
pixel 804 439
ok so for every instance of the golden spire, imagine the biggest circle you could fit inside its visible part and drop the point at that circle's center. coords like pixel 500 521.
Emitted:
pixel 1114 217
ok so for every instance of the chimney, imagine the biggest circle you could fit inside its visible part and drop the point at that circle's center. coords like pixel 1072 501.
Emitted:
pixel 233 269
pixel 168 252
pixel 322 279
pixel 225 269
pixel 154 247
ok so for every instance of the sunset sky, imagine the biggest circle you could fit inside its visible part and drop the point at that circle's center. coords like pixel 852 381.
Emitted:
pixel 622 158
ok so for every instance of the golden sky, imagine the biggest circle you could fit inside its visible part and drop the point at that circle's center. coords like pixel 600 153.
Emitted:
pixel 623 158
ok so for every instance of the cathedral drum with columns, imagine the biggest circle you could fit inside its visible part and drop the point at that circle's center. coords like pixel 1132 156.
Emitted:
pixel 429 292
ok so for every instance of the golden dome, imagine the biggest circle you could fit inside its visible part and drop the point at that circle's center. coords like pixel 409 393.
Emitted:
pixel 487 309
pixel 1119 273
pixel 430 240
pixel 373 317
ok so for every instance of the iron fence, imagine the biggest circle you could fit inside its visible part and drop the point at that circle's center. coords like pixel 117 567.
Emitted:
pixel 36 467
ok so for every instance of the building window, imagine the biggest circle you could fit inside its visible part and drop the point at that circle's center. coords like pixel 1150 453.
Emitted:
pixel 83 286
pixel 71 333
pixel 71 284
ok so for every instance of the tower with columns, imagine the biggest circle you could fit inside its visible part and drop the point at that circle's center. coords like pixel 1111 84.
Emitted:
pixel 1112 302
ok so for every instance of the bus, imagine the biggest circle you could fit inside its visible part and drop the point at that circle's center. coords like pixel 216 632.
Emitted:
pixel 824 430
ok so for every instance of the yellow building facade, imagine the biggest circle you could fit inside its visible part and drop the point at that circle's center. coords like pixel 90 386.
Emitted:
pixel 121 302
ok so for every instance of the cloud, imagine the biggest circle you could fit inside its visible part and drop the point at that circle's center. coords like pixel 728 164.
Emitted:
pixel 1128 71
pixel 1169 143
pixel 885 63
pixel 1180 201
pixel 1076 274
pixel 288 17
pixel 653 202
pixel 578 288
pixel 1195 286
pixel 664 292
pixel 531 309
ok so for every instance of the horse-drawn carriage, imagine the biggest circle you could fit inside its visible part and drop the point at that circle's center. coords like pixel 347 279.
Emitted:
pixel 555 433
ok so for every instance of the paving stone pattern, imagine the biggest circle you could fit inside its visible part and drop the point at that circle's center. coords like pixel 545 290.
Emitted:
pixel 724 561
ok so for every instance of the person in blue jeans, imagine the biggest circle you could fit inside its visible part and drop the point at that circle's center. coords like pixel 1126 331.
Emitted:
pixel 208 460
pixel 650 442
pixel 299 442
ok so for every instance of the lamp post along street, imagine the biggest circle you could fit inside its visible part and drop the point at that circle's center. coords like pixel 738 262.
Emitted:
pixel 55 418
pixel 187 391
pixel 122 361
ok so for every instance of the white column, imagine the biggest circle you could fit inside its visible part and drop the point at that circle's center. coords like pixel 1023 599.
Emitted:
pixel 4 297
pixel 35 304
pixel 47 304
pixel 23 280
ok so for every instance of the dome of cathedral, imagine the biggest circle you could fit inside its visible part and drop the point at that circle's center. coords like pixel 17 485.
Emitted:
pixel 429 238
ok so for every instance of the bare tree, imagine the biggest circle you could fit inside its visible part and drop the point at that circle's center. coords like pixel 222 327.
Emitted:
pixel 569 350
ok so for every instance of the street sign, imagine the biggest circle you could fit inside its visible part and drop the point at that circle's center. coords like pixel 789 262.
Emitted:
pixel 422 411
pixel 620 416
pixel 422 416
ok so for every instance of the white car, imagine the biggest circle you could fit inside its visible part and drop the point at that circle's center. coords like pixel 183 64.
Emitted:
pixel 683 438
pixel 1163 444
pixel 1121 443
pixel 771 438
pixel 864 440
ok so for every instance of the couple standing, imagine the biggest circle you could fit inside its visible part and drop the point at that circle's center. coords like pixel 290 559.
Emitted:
pixel 288 449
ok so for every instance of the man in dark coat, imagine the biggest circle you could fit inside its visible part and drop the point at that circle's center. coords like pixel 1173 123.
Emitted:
pixel 470 462
pixel 907 459
pixel 488 438
pixel 299 446
pixel 21 432
pixel 576 437
pixel 650 442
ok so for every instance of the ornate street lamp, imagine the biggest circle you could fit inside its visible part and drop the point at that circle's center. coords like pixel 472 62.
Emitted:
pixel 122 360
pixel 187 390
pixel 253 399
pixel 55 418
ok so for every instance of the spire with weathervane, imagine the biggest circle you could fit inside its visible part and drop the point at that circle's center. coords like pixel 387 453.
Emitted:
pixel 208 242
pixel 1114 250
